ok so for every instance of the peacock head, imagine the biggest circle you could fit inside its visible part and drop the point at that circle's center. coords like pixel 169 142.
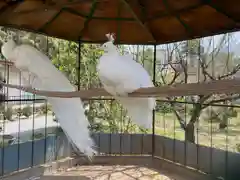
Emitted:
pixel 7 49
pixel 109 46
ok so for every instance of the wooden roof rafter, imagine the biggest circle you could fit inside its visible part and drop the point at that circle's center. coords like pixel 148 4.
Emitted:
pixel 50 21
pixel 174 13
pixel 210 3
pixel 57 6
pixel 170 11
pixel 91 13
pixel 139 20
pixel 97 17
pixel 8 5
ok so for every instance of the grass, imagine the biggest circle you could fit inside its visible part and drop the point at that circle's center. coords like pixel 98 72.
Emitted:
pixel 206 133
pixel 170 134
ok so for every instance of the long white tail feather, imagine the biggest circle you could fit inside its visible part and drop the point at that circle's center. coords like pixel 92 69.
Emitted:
pixel 139 110
pixel 70 112
pixel 73 121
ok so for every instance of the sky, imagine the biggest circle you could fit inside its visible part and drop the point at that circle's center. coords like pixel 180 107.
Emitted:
pixel 234 43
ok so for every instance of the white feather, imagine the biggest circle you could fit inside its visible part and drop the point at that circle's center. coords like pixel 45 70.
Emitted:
pixel 70 112
pixel 121 75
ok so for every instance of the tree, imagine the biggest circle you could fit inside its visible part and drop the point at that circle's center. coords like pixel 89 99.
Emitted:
pixel 45 108
pixel 18 111
pixel 37 136
pixel 191 62
pixel 27 111
pixel 2 96
pixel 8 113
pixel 3 143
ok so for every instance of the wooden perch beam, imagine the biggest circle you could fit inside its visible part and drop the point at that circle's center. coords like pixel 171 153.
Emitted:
pixel 213 87
pixel 6 63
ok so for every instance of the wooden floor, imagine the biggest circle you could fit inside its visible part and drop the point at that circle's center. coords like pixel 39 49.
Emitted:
pixel 96 172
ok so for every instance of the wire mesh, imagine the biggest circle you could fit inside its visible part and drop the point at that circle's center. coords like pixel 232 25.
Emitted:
pixel 199 131
pixel 204 60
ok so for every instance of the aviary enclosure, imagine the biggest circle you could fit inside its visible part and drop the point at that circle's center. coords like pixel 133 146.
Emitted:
pixel 195 126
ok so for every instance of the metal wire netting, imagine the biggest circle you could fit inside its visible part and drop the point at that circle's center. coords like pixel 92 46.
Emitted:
pixel 181 125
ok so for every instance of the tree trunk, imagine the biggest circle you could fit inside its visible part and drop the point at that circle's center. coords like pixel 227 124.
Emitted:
pixel 189 130
pixel 224 118
pixel 222 125
pixel 189 133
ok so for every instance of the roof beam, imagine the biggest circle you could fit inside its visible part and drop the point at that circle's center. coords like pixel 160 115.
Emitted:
pixel 92 10
pixel 97 17
pixel 57 6
pixel 8 5
pixel 220 10
pixel 171 12
pixel 163 14
pixel 50 21
pixel 138 19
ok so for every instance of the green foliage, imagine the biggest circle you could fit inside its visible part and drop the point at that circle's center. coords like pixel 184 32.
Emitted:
pixel 27 111
pixel 37 110
pixel 3 143
pixel 238 147
pixel 37 136
pixel 163 107
pixel 54 117
pixel 44 109
pixel 58 131
pixel 67 61
pixel 8 113
pixel 220 115
pixel 232 112
pixel 109 116
pixel 18 111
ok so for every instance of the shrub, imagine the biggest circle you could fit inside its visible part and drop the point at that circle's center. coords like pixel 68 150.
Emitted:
pixel 54 117
pixel 38 109
pixel 2 108
pixel 18 111
pixel 37 136
pixel 58 131
pixel 27 111
pixel 8 113
pixel 238 147
pixel 3 144
pixel 163 107
pixel 232 112
pixel 45 109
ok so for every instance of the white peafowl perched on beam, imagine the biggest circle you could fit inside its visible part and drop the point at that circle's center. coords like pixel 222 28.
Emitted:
pixel 121 75
pixel 45 76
